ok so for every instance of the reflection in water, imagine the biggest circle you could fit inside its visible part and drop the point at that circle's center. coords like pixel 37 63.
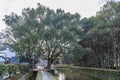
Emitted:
pixel 61 76
pixel 64 76
pixel 44 75
pixel 76 74
pixel 78 77
pixel 73 74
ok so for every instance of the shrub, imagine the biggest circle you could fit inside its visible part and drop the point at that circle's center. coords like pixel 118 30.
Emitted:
pixel 12 69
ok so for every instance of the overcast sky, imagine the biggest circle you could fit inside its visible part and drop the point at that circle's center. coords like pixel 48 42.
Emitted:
pixel 85 8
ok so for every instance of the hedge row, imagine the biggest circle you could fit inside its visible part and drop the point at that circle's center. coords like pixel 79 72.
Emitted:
pixel 12 69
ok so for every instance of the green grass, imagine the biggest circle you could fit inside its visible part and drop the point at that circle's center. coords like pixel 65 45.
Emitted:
pixel 31 76
pixel 16 77
pixel 38 76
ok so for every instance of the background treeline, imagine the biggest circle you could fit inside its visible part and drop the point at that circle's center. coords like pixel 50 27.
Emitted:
pixel 102 35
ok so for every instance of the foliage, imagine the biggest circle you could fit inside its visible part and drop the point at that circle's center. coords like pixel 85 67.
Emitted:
pixel 12 69
pixel 43 32
pixel 101 35
pixel 16 77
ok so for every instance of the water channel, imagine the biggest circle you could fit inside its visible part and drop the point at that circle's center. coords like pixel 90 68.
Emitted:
pixel 44 75
pixel 79 73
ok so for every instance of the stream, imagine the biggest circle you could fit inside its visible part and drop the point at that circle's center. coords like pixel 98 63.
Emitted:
pixel 44 75
pixel 69 75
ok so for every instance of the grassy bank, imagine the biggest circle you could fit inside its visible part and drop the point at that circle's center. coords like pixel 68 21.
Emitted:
pixel 16 77
pixel 31 75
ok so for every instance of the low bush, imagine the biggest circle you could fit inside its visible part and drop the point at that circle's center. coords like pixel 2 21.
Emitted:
pixel 63 65
pixel 12 69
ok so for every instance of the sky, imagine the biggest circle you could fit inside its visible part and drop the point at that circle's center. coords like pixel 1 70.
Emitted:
pixel 85 8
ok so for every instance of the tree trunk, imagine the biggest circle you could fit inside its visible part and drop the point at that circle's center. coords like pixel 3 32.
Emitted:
pixel 49 61
pixel 115 54
pixel 49 64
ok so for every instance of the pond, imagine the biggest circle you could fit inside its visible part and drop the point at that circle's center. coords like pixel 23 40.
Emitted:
pixel 89 74
pixel 79 74
pixel 44 75
pixel 75 76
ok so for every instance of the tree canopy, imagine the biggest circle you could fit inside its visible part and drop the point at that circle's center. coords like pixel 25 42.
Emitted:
pixel 43 32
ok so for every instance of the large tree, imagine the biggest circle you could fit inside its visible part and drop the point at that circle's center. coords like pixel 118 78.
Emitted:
pixel 43 32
